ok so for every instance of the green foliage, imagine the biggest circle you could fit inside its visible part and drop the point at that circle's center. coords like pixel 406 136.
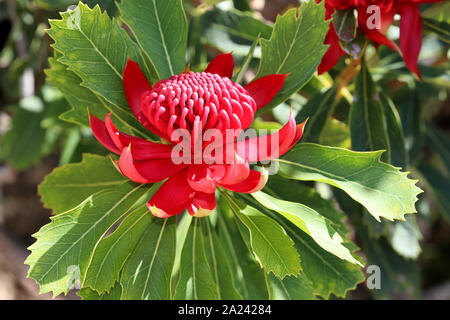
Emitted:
pixel 287 52
pixel 69 185
pixel 290 241
pixel 160 28
pixel 384 190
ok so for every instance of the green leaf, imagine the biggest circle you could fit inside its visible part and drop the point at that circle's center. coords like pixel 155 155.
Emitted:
pixel 160 27
pixel 147 272
pixel 290 288
pixel 318 111
pixel 440 143
pixel 112 252
pixel 219 264
pixel 68 241
pixel 87 293
pixel 438 185
pixel 345 24
pixel 250 277
pixel 366 120
pixel 336 134
pixel 22 144
pixel 236 23
pixel 68 185
pixel 54 4
pixel 405 237
pixel 383 189
pixel 295 47
pixel 413 125
pixel 328 273
pixel 246 63
pixel 196 277
pixel 309 221
pixel 397 151
pixel 298 192
pixel 96 49
pixel 81 98
pixel 441 28
pixel 272 247
pixel 399 278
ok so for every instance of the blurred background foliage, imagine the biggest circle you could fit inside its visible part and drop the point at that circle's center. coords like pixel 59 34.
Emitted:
pixel 34 139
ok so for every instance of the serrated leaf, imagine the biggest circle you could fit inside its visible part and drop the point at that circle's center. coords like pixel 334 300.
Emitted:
pixel 160 27
pixel 383 189
pixel 69 185
pixel 81 99
pixel 295 47
pixel 196 277
pixel 399 278
pixel 366 119
pixel 309 221
pixel 68 241
pixel 272 247
pixel 298 192
pixel 328 273
pixel 290 288
pixel 147 272
pixel 96 49
pixel 87 293
pixel 112 251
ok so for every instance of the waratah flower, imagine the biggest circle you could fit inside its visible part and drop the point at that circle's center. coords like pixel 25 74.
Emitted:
pixel 194 102
pixel 410 28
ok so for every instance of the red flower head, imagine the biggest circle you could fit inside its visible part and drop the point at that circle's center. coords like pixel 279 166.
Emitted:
pixel 410 28
pixel 191 103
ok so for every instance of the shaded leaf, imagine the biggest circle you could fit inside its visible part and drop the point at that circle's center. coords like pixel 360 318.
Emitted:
pixel 147 274
pixel 272 247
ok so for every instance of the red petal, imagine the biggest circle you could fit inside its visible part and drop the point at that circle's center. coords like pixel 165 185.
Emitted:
pixel 101 133
pixel 202 204
pixel 143 149
pixel 334 52
pixel 411 35
pixel 223 65
pixel 172 197
pixel 113 132
pixel 255 182
pixel 127 167
pixel 298 134
pixel 147 171
pixel 267 147
pixel 203 178
pixel 134 84
pixel 236 172
pixel 374 34
pixel 263 90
